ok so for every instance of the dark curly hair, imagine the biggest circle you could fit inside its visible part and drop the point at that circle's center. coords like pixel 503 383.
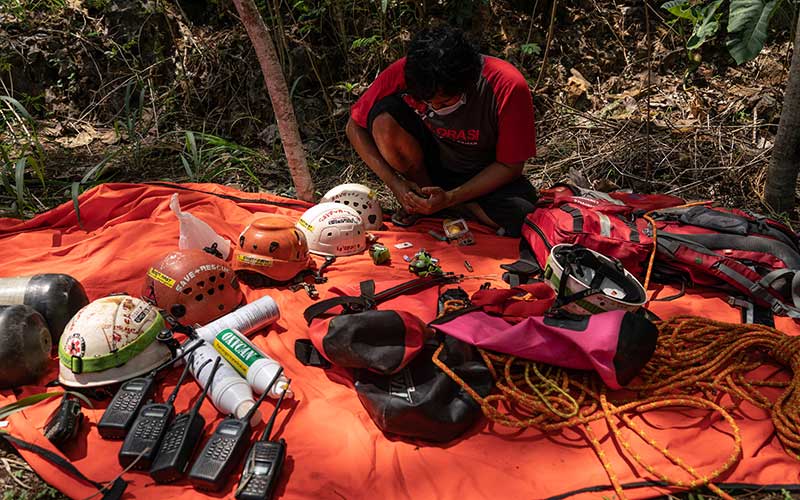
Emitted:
pixel 441 60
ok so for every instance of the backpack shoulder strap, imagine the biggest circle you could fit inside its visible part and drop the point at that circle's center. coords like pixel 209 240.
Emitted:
pixel 524 269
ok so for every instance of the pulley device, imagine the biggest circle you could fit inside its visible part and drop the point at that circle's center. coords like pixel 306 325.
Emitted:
pixel 181 439
pixel 225 448
pixel 262 469
pixel 141 443
pixel 125 406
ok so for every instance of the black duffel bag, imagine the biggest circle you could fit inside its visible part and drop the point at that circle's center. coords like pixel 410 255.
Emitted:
pixel 423 402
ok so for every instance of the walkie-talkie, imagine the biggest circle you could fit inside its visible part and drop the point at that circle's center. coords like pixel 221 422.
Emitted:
pixel 141 443
pixel 263 465
pixel 224 449
pixel 125 406
pixel 181 439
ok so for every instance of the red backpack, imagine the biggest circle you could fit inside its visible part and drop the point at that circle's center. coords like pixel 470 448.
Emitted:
pixel 726 249
pixel 608 228
pixel 731 250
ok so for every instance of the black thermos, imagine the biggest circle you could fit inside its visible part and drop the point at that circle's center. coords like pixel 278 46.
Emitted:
pixel 24 346
pixel 57 297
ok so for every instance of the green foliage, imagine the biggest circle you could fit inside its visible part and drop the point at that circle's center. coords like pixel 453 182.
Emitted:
pixel 21 9
pixel 75 191
pixel 747 23
pixel 43 493
pixel 360 43
pixel 310 15
pixel 704 18
pixel 20 150
pixel 208 158
pixel 98 4
pixel 530 49
pixel 706 27
pixel 347 87
pixel 131 123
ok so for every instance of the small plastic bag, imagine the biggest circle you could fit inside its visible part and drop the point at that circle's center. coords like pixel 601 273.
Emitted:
pixel 195 233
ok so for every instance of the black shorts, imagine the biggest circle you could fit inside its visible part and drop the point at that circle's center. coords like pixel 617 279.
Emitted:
pixel 507 206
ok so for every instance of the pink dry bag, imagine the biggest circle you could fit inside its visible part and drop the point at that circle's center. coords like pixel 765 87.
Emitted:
pixel 615 344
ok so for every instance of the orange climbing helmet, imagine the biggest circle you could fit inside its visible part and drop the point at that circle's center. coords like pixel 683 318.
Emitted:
pixel 272 247
pixel 192 286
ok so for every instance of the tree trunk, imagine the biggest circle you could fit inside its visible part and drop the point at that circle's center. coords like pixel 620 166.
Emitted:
pixel 279 95
pixel 783 167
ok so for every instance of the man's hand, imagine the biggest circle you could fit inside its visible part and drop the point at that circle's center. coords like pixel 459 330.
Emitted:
pixel 437 199
pixel 402 188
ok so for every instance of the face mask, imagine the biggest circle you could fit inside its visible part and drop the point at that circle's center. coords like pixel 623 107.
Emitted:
pixel 451 108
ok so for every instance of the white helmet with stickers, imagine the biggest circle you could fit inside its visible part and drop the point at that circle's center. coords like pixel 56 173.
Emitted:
pixel 587 282
pixel 362 199
pixel 111 340
pixel 333 229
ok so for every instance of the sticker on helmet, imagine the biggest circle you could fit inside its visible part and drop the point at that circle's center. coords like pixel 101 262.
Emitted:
pixel 75 345
pixel 254 261
pixel 342 220
pixel 191 275
pixel 347 248
pixel 306 225
pixel 141 312
pixel 161 277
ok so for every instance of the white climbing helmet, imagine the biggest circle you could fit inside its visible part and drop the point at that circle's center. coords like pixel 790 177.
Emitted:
pixel 362 199
pixel 594 283
pixel 333 229
pixel 111 340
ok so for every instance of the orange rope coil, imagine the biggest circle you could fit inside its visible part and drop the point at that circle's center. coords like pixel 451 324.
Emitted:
pixel 696 361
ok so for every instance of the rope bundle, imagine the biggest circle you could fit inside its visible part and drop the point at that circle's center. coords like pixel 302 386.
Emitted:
pixel 696 361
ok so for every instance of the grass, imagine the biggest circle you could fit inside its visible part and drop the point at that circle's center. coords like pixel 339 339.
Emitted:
pixel 139 155
pixel 19 482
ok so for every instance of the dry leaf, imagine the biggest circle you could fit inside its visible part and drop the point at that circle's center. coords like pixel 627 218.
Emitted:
pixel 697 107
pixel 577 87
pixel 109 137
pixel 742 91
pixel 578 178
pixel 82 139
pixel 605 186
pixel 53 130
pixel 687 125
pixel 578 80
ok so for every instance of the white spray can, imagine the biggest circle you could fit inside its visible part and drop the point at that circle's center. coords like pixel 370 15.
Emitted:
pixel 247 319
pixel 250 362
pixel 229 392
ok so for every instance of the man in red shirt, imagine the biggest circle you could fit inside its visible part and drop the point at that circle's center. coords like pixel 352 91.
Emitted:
pixel 447 126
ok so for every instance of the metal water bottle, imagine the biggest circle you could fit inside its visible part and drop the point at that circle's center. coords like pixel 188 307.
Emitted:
pixel 57 297
pixel 25 344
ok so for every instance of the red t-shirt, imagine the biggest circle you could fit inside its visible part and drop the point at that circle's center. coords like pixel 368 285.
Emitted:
pixel 496 122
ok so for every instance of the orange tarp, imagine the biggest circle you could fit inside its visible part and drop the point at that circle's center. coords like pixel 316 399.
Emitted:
pixel 334 449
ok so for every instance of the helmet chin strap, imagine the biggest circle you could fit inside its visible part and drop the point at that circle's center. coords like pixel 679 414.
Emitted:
pixel 213 250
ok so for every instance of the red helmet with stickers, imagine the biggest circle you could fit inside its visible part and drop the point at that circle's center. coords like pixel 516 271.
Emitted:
pixel 192 286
